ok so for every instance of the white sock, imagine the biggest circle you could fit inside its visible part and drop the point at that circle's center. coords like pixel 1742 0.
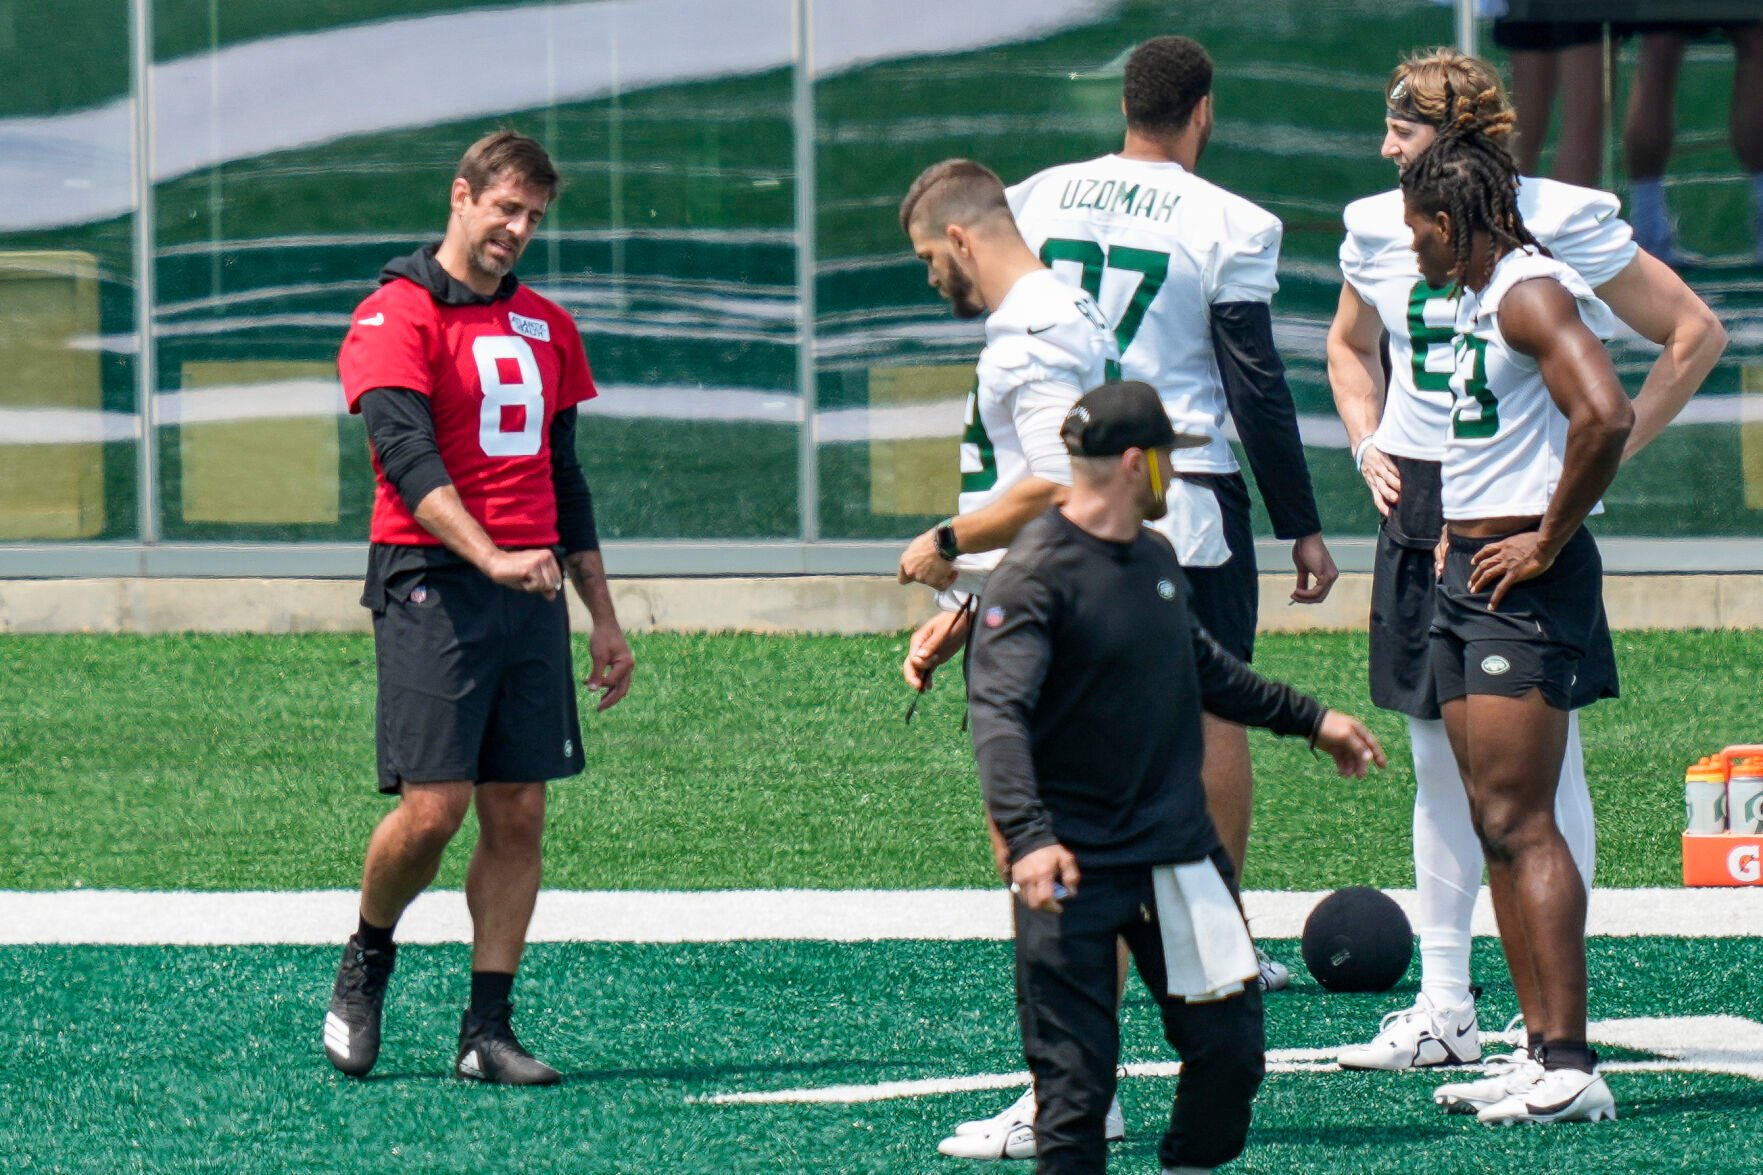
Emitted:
pixel 1650 218
pixel 1573 806
pixel 1447 865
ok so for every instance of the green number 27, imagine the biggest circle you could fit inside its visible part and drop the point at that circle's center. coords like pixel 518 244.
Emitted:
pixel 1151 266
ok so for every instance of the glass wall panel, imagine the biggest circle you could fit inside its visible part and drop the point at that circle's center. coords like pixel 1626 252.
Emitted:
pixel 1704 475
pixel 1024 84
pixel 67 289
pixel 299 147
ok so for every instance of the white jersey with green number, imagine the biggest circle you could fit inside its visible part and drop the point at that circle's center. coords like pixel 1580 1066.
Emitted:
pixel 1157 247
pixel 1505 438
pixel 1580 228
pixel 1046 345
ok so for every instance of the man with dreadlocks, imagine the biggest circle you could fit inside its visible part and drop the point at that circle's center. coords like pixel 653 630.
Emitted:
pixel 1537 427
pixel 1397 419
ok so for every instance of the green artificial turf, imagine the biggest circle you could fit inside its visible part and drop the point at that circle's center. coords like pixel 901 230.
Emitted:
pixel 737 761
pixel 208 1060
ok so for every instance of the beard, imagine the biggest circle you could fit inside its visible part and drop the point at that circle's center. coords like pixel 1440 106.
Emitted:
pixel 959 290
pixel 490 263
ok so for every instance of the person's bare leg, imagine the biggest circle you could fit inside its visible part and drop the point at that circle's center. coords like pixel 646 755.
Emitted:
pixel 1579 151
pixel 1650 121
pixel 1533 93
pixel 406 847
pixel 1228 775
pixel 1747 97
pixel 502 883
pixel 1515 748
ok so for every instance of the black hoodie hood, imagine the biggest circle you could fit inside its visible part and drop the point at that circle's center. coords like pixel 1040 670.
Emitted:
pixel 422 268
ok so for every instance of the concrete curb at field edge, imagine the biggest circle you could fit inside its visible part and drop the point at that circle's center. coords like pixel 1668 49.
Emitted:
pixel 843 604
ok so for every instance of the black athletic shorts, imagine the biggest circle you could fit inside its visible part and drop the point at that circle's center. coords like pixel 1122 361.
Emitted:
pixel 1402 588
pixel 475 680
pixel 1546 34
pixel 1549 633
pixel 1226 599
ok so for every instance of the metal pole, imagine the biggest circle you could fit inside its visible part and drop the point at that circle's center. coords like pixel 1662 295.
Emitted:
pixel 807 374
pixel 146 358
pixel 1466 26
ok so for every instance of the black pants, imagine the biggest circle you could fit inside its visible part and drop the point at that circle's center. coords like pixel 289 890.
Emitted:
pixel 1066 980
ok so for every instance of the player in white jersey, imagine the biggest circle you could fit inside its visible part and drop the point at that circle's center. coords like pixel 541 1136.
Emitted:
pixel 1397 428
pixel 1537 427
pixel 1046 344
pixel 1185 272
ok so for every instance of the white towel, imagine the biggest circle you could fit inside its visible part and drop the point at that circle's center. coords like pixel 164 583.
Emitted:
pixel 1194 525
pixel 1206 947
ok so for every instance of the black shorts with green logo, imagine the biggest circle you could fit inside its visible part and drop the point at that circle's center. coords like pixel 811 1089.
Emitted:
pixel 1550 633
pixel 1226 599
pixel 475 680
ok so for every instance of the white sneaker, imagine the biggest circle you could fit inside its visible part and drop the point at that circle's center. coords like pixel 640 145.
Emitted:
pixel 1419 1037
pixel 1274 976
pixel 1557 1095
pixel 1010 1133
pixel 1507 1074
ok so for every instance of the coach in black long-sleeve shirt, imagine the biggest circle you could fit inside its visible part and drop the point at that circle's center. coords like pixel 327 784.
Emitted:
pixel 1086 681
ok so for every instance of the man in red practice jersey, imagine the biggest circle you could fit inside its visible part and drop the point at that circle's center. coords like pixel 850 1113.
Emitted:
pixel 469 382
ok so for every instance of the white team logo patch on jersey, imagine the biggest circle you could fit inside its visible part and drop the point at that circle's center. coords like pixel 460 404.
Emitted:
pixel 532 328
pixel 1495 665
pixel 1166 589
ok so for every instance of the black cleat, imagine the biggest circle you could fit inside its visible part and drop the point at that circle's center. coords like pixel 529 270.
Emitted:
pixel 352 1026
pixel 489 1052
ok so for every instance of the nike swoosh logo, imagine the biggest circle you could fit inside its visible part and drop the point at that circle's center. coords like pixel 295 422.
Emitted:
pixel 1465 1030
pixel 377 320
pixel 1607 214
pixel 1557 1108
pixel 1035 330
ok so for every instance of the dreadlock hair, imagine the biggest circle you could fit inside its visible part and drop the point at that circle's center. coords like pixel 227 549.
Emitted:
pixel 1469 173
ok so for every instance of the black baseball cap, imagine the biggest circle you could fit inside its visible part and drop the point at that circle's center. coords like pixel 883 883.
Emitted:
pixel 1121 415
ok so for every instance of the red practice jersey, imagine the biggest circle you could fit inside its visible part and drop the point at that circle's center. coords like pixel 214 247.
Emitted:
pixel 495 374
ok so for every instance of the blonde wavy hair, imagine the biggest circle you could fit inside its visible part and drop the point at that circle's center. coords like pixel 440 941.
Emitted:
pixel 1436 86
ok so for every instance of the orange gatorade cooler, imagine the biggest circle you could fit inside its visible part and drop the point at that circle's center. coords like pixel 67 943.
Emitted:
pixel 1744 796
pixel 1704 796
pixel 1730 851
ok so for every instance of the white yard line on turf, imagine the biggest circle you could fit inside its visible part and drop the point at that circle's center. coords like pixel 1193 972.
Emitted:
pixel 143 918
pixel 1685 1044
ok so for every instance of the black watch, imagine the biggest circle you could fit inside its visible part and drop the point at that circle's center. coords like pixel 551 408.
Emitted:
pixel 945 534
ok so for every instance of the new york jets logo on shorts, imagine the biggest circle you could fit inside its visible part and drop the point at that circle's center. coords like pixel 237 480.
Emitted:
pixel 1166 589
pixel 1495 665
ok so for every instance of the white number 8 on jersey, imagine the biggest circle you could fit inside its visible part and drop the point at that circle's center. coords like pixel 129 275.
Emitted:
pixel 527 392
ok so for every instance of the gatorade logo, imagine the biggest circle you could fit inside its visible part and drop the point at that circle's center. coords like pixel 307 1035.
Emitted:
pixel 1494 666
pixel 1744 863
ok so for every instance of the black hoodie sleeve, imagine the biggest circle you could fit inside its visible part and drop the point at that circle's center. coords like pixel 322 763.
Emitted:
pixel 575 503
pixel 1267 423
pixel 1008 664
pixel 401 430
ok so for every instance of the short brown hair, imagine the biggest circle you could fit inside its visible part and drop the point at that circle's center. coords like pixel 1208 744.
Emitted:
pixel 500 152
pixel 955 191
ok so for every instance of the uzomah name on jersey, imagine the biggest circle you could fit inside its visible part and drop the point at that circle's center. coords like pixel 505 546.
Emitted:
pixel 1108 195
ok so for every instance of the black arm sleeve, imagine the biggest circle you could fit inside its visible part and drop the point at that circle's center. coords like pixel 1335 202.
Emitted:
pixel 401 429
pixel 1236 693
pixel 1261 405
pixel 1006 667
pixel 575 504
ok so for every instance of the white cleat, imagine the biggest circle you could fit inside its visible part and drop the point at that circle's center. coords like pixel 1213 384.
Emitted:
pixel 1420 1037
pixel 1507 1074
pixel 1558 1095
pixel 1010 1133
pixel 1274 975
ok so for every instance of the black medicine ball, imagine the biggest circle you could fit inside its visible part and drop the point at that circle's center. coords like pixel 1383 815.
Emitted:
pixel 1358 939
